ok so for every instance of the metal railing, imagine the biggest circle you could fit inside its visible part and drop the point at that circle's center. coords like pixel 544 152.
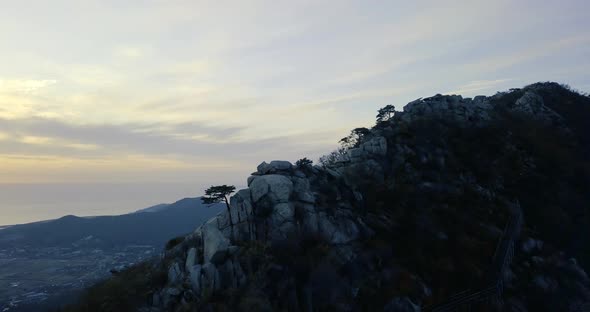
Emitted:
pixel 502 259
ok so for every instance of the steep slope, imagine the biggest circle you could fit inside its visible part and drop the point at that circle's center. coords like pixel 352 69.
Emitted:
pixel 437 202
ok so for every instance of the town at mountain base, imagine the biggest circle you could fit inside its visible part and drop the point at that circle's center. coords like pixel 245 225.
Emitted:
pixel 407 216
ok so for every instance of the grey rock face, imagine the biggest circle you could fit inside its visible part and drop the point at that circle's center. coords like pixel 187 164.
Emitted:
pixel 340 232
pixel 355 153
pixel 533 105
pixel 263 168
pixel 306 197
pixel 288 203
pixel 174 274
pixel 279 187
pixel 333 173
pixel 310 222
pixel 274 166
pixel 195 278
pixel 241 206
pixel 243 195
pixel 190 259
pixel 375 146
pixel 464 111
pixel 281 165
pixel 284 212
pixel 529 103
pixel 215 244
pixel 301 190
pixel 300 185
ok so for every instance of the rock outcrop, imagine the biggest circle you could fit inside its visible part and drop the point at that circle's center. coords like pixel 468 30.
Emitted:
pixel 281 202
pixel 405 218
pixel 287 205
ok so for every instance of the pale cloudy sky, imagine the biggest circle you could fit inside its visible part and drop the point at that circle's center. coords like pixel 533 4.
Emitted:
pixel 163 98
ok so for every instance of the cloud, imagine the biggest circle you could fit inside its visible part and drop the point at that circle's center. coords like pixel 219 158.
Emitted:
pixel 480 86
pixel 24 86
pixel 212 82
pixel 146 137
pixel 54 142
pixel 531 52
pixel 38 150
pixel 130 52
pixel 185 142
pixel 25 168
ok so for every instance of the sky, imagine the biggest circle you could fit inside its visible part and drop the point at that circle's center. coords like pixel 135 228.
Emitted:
pixel 111 106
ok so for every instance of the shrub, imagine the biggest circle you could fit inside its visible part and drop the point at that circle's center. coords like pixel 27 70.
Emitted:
pixel 132 287
pixel 330 159
pixel 173 242
pixel 304 163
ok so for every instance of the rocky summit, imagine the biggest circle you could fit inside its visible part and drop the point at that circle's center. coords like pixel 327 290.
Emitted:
pixel 452 203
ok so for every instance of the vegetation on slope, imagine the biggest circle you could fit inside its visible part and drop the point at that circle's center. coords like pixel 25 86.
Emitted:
pixel 437 205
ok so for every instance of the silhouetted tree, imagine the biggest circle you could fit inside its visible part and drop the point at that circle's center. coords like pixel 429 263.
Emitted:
pixel 304 163
pixel 385 113
pixel 331 158
pixel 354 138
pixel 218 194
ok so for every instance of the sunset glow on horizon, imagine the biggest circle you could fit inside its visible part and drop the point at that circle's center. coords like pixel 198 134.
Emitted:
pixel 200 92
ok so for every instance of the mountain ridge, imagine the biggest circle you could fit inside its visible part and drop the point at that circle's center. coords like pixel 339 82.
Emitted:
pixel 153 208
pixel 403 217
pixel 113 230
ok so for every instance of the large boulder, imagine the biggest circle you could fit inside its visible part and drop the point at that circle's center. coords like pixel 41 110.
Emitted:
pixel 195 278
pixel 190 259
pixel 301 190
pixel 533 105
pixel 242 211
pixel 263 168
pixel 241 206
pixel 215 244
pixel 281 165
pixel 464 111
pixel 530 103
pixel 337 231
pixel 273 167
pixel 174 274
pixel 375 146
pixel 278 187
pixel 283 212
pixel 310 219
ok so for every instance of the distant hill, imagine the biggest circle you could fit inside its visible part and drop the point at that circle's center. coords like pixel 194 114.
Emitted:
pixel 151 226
pixel 154 208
